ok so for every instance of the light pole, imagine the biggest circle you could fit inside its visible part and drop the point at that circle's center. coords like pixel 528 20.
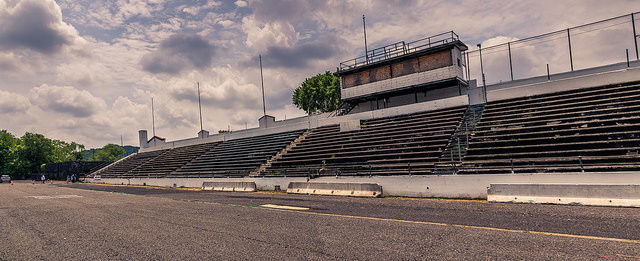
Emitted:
pixel 484 82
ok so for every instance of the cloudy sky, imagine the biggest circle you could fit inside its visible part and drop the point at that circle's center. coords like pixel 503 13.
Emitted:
pixel 85 71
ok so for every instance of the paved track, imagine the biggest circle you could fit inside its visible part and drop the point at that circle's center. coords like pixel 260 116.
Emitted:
pixel 82 221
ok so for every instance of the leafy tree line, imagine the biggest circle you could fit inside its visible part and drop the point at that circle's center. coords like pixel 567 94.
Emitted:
pixel 20 157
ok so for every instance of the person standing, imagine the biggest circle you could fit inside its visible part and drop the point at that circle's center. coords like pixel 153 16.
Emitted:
pixel 42 178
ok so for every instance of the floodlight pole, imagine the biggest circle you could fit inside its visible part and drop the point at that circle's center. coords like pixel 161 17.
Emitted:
pixel 264 106
pixel 364 29
pixel 484 82
pixel 200 107
pixel 153 118
pixel 510 63
pixel 635 35
pixel 570 53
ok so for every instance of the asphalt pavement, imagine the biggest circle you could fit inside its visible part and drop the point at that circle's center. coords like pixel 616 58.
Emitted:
pixel 98 222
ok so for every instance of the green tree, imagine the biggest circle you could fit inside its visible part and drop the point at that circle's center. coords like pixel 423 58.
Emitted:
pixel 63 152
pixel 33 151
pixel 8 155
pixel 320 93
pixel 110 152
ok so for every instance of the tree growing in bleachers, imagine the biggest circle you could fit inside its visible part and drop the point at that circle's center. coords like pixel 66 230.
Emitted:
pixel 320 93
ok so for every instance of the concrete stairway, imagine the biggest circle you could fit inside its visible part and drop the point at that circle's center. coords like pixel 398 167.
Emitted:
pixel 456 149
pixel 279 155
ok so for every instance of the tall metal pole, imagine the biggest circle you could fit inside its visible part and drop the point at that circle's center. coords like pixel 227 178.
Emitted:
pixel 635 35
pixel 153 118
pixel 364 28
pixel 510 63
pixel 200 107
pixel 468 67
pixel 570 54
pixel 264 107
pixel 484 82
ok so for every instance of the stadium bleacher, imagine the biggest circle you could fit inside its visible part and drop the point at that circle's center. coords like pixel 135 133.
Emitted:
pixel 588 130
pixel 594 129
pixel 123 166
pixel 408 144
pixel 238 157
pixel 171 160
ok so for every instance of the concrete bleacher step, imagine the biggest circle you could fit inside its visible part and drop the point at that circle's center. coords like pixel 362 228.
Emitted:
pixel 564 95
pixel 237 157
pixel 391 146
pixel 537 104
pixel 524 118
pixel 602 102
pixel 619 109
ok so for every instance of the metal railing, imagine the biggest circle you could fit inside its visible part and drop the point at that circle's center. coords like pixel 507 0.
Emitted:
pixel 605 42
pixel 398 49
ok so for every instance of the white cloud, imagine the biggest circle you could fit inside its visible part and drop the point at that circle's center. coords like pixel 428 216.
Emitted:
pixel 34 25
pixel 11 103
pixel 67 100
pixel 195 10
pixel 241 3
pixel 261 36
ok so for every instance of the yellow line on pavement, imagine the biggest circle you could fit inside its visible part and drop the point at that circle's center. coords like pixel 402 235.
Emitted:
pixel 467 226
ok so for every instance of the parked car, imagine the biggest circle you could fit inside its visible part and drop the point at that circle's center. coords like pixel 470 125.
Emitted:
pixel 5 178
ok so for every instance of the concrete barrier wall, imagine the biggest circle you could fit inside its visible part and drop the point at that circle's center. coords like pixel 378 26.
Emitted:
pixel 631 74
pixel 338 189
pixel 627 195
pixel 230 186
pixel 447 186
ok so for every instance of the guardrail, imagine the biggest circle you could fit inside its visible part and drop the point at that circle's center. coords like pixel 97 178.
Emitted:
pixel 398 49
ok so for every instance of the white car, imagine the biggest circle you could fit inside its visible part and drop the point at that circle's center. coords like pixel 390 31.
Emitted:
pixel 5 178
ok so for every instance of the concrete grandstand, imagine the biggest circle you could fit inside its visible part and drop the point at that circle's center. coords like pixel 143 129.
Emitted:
pixel 417 125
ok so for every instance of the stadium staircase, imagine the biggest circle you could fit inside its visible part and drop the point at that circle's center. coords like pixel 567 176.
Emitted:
pixel 593 129
pixel 451 158
pixel 237 158
pixel 408 144
pixel 280 154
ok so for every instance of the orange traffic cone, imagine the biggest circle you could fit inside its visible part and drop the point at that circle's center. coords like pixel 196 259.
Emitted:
pixel 51 182
pixel 12 183
pixel 33 182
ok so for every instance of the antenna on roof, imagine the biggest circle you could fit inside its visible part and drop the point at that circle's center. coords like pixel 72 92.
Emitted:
pixel 200 106
pixel 364 29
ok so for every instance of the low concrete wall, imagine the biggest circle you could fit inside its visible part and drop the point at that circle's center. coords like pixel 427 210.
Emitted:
pixel 446 186
pixel 229 186
pixel 338 189
pixel 631 74
pixel 574 194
